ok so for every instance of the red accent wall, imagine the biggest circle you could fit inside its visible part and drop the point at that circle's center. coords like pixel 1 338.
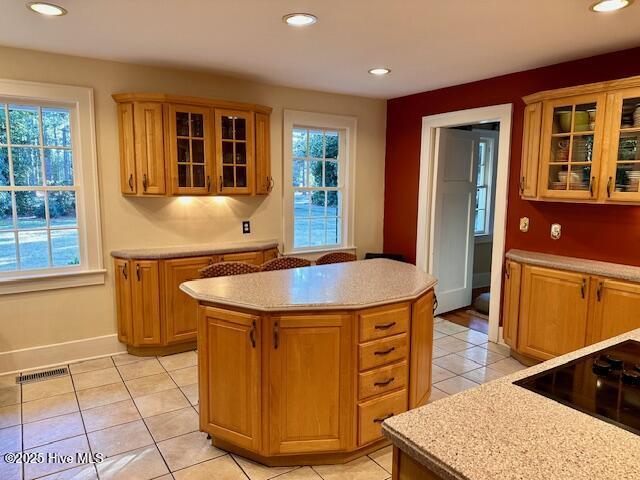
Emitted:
pixel 609 233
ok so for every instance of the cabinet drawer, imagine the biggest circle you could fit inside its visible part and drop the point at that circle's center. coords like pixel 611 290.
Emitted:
pixel 382 380
pixel 371 415
pixel 383 322
pixel 382 352
pixel 255 258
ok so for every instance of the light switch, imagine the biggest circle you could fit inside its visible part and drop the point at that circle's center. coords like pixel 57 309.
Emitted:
pixel 556 231
pixel 524 224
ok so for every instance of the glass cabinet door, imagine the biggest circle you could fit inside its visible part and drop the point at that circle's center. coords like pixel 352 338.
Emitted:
pixel 190 148
pixel 234 151
pixel 623 146
pixel 572 139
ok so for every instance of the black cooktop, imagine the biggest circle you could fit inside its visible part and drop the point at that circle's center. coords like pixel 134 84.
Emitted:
pixel 605 385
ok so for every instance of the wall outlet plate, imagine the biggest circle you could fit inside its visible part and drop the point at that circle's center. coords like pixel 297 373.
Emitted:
pixel 524 224
pixel 246 227
pixel 556 231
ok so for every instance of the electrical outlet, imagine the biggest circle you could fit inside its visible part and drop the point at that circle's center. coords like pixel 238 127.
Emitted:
pixel 556 231
pixel 246 227
pixel 524 224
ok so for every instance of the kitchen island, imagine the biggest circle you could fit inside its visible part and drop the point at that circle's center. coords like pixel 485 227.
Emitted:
pixel 302 366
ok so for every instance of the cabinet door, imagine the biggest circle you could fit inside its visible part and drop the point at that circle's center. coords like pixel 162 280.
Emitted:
pixel 181 311
pixel 124 307
pixel 255 258
pixel 571 148
pixel 190 144
pixel 622 146
pixel 146 303
pixel 614 309
pixel 553 312
pixel 264 180
pixel 421 350
pixel 310 368
pixel 511 303
pixel 270 254
pixel 229 376
pixel 234 151
pixel 128 181
pixel 149 141
pixel 530 150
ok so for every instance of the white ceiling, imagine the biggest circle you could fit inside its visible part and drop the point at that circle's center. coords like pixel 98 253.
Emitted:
pixel 427 43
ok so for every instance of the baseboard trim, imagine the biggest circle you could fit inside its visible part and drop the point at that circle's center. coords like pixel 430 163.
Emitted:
pixel 482 279
pixel 60 353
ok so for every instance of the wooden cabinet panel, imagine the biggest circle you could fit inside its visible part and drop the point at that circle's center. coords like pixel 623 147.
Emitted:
pixel 255 258
pixel 180 310
pixel 421 350
pixel 530 150
pixel 235 167
pixel 615 309
pixel 128 177
pixel 122 274
pixel 553 312
pixel 382 380
pixel 229 347
pixel 383 321
pixel 511 303
pixel 270 254
pixel 371 415
pixel 264 180
pixel 381 352
pixel 146 303
pixel 149 147
pixel 406 468
pixel 310 372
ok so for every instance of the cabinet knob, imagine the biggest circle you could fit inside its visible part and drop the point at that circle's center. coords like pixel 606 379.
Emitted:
pixel 131 182
pixel 144 182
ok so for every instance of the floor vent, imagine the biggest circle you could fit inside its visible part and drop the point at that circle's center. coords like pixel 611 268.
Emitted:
pixel 45 375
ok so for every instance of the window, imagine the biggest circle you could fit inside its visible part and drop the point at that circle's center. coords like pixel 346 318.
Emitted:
pixel 48 201
pixel 319 178
pixel 484 192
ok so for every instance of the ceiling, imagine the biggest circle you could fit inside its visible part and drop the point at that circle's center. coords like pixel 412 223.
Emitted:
pixel 427 43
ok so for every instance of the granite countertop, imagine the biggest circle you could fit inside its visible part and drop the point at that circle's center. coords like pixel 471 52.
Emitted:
pixel 581 265
pixel 501 431
pixel 181 251
pixel 350 285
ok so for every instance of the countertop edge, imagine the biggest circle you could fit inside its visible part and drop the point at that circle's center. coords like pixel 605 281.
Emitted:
pixel 184 251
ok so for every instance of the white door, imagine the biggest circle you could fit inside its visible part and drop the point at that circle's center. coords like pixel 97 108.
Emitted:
pixel 455 196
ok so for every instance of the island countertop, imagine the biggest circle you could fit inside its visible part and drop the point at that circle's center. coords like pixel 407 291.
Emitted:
pixel 501 431
pixel 350 285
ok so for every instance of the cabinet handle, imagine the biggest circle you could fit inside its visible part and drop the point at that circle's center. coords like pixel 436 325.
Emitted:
pixel 125 272
pixel 138 271
pixel 385 383
pixel 144 182
pixel 609 187
pixel 208 183
pixel 131 182
pixel 384 326
pixel 220 189
pixel 507 273
pixel 592 185
pixel 276 335
pixel 599 291
pixel 384 352
pixel 382 419
pixel 271 183
pixel 522 185
pixel 435 303
pixel 252 334
pixel 583 287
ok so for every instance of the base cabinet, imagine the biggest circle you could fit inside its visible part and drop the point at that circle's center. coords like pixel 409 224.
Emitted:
pixel 146 303
pixel 615 308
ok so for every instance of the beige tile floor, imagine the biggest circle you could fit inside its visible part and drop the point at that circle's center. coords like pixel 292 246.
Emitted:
pixel 141 413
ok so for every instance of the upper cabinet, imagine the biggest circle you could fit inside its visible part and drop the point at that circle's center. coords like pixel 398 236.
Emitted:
pixel 171 145
pixel 580 144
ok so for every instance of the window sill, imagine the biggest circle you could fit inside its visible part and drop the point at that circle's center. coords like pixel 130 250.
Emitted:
pixel 483 238
pixel 53 281
pixel 318 251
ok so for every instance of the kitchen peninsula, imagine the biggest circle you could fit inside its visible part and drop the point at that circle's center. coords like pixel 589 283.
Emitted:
pixel 302 366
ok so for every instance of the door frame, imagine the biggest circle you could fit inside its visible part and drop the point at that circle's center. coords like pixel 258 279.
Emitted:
pixel 426 196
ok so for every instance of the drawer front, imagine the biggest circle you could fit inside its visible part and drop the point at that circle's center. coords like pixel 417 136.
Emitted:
pixel 384 322
pixel 382 352
pixel 371 415
pixel 382 380
pixel 255 258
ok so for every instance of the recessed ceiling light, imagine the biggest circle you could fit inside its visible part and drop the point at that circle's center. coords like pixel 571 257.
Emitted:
pixel 379 71
pixel 48 9
pixel 610 5
pixel 300 19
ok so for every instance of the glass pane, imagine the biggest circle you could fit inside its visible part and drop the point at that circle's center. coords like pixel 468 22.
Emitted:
pixel 331 145
pixel 582 150
pixel 584 116
pixel 58 166
pixel 23 125
pixel 241 153
pixel 560 149
pixel 65 248
pixel 183 150
pixel 184 176
pixel 481 174
pixel 56 128
pixel 197 151
pixel 3 125
pixel 182 124
pixel 197 125
pixel 317 231
pixel 241 176
pixel 580 177
pixel 30 209
pixel 4 166
pixel 333 205
pixel 227 177
pixel 27 170
pixel 34 249
pixel 301 204
pixel 481 198
pixel 330 174
pixel 315 173
pixel 227 127
pixel 198 175
pixel 6 215
pixel 558 177
pixel 300 173
pixel 62 209
pixel 627 177
pixel 300 232
pixel 628 146
pixel 299 142
pixel 8 261
pixel 480 221
pixel 316 149
pixel 241 129
pixel 630 113
pixel 333 231
pixel 562 119
pixel 227 152
pixel 318 200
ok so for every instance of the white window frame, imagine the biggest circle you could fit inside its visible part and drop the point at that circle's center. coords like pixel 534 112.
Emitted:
pixel 91 269
pixel 347 126
pixel 490 177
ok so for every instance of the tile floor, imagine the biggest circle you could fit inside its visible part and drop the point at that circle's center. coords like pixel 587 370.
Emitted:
pixel 142 415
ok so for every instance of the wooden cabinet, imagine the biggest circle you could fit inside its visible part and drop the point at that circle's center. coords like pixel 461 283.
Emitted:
pixel 124 305
pixel 128 174
pixel 310 383
pixel 421 350
pixel 149 147
pixel 615 308
pixel 229 371
pixel 511 302
pixel 235 151
pixel 530 150
pixel 146 302
pixel 264 180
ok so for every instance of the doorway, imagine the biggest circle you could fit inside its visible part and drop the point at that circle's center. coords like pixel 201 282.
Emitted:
pixel 462 208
